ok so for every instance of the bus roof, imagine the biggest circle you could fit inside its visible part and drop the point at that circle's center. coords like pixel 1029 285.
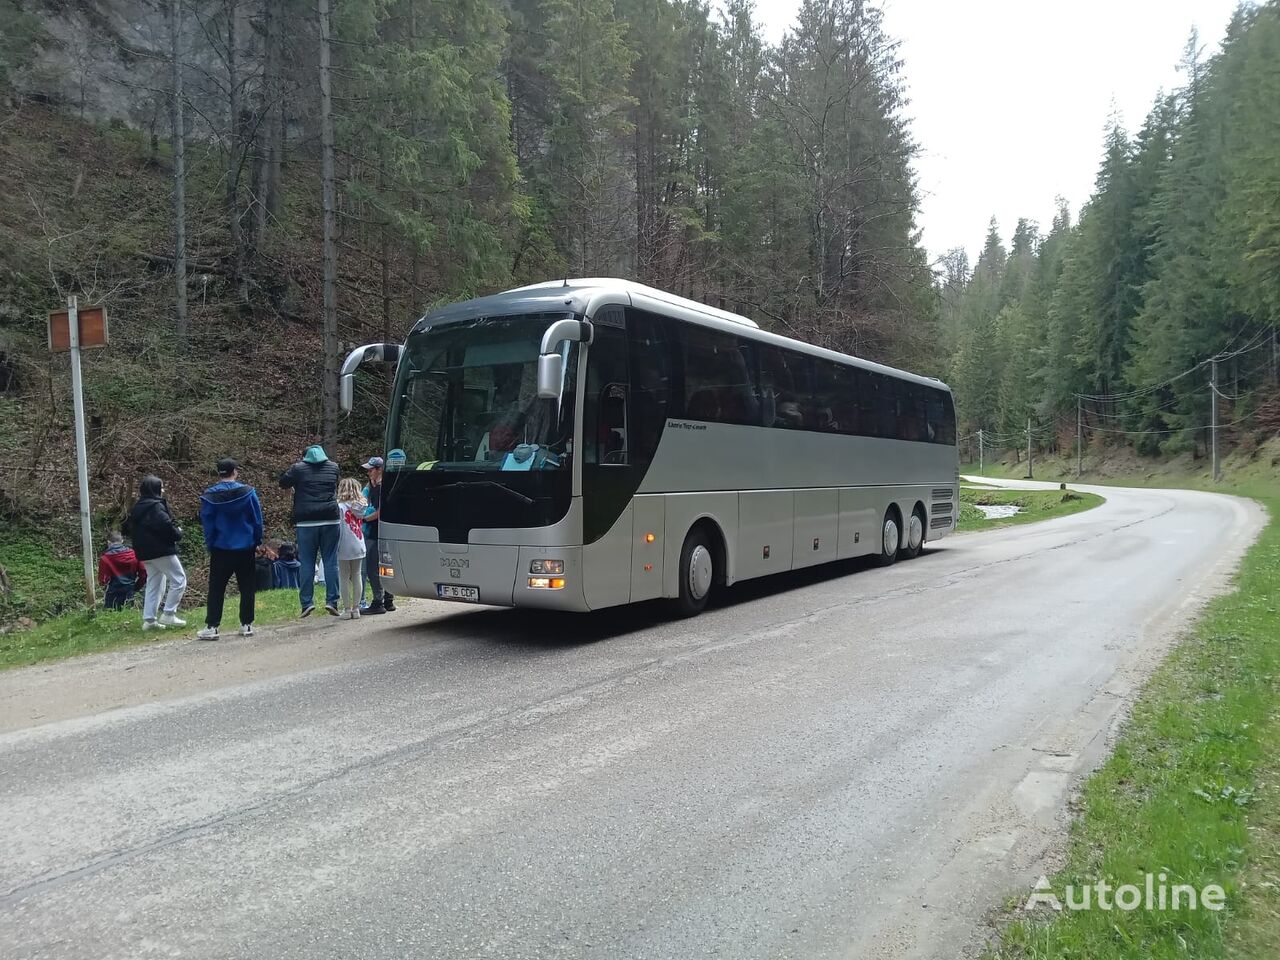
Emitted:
pixel 586 296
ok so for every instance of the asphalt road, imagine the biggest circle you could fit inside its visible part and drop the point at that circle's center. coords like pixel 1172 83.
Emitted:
pixel 853 762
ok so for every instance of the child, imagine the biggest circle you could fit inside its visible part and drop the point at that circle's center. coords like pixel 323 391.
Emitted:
pixel 351 548
pixel 264 559
pixel 284 572
pixel 120 571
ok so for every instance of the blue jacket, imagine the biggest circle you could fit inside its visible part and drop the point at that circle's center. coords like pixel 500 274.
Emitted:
pixel 231 516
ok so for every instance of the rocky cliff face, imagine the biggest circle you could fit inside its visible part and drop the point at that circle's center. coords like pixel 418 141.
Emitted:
pixel 111 60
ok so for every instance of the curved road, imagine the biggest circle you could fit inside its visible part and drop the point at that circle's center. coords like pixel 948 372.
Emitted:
pixel 852 762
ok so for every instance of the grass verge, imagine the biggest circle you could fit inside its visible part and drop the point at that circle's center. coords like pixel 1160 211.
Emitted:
pixel 73 634
pixel 1192 791
pixel 1033 505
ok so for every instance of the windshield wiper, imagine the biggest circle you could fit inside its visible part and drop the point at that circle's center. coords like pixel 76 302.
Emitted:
pixel 488 483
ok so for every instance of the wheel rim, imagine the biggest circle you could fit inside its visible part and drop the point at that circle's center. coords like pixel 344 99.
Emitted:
pixel 915 532
pixel 890 537
pixel 699 571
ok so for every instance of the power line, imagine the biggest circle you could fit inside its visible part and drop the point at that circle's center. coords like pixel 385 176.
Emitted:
pixel 1257 341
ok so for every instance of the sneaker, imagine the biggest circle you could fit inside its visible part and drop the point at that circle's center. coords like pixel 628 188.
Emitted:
pixel 355 614
pixel 389 606
pixel 246 629
pixel 152 625
pixel 172 620
pixel 331 609
pixel 364 605
pixel 346 615
pixel 375 610
pixel 208 633
pixel 309 609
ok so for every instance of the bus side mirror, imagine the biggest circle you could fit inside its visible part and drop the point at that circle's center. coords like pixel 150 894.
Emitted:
pixel 550 361
pixel 369 353
pixel 550 375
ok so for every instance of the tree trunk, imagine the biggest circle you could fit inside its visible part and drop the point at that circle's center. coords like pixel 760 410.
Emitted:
pixel 269 205
pixel 179 177
pixel 329 429
pixel 234 151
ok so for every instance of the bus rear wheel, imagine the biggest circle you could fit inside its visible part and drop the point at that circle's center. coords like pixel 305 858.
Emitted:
pixel 913 543
pixel 697 573
pixel 890 539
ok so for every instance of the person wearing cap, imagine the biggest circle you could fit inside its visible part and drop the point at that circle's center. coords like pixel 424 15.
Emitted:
pixel 232 520
pixel 382 602
pixel 314 482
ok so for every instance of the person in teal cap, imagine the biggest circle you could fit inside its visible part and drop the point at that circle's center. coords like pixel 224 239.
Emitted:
pixel 314 482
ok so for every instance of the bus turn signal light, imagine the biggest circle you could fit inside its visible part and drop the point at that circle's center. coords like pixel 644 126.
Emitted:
pixel 546 583
pixel 649 538
pixel 386 571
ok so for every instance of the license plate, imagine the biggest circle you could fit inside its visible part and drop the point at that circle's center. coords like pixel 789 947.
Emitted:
pixel 457 591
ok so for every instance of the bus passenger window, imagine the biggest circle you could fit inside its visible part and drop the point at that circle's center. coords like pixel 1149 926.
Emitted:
pixel 605 426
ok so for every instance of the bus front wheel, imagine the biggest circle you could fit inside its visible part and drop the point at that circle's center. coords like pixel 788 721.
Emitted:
pixel 890 538
pixel 697 573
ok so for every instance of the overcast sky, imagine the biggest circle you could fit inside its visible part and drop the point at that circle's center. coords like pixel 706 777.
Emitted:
pixel 1009 98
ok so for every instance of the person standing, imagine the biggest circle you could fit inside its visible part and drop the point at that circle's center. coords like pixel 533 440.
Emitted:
pixel 232 519
pixel 351 547
pixel 314 482
pixel 155 542
pixel 382 602
pixel 120 571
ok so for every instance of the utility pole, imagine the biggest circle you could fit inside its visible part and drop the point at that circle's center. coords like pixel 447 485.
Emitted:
pixel 1030 473
pixel 82 453
pixel 979 450
pixel 1213 405
pixel 1079 438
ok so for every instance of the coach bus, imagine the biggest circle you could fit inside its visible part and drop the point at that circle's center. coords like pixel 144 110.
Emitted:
pixel 589 443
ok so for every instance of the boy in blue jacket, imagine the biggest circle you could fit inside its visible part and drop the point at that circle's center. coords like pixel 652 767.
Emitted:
pixel 232 519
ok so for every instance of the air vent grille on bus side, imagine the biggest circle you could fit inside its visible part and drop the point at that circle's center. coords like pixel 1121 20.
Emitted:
pixel 942 493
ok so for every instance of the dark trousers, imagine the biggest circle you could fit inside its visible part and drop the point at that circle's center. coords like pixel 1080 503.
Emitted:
pixel 380 597
pixel 222 565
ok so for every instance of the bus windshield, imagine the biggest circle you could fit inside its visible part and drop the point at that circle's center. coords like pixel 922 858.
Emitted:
pixel 467 400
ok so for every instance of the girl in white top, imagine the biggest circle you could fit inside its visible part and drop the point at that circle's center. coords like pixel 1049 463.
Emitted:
pixel 351 548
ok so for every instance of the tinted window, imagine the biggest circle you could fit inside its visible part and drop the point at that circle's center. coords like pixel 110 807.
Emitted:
pixel 722 378
pixel 650 382
pixel 605 411
pixel 718 382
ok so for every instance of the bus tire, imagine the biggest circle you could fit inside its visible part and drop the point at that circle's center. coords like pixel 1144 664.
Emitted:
pixel 913 543
pixel 697 573
pixel 890 538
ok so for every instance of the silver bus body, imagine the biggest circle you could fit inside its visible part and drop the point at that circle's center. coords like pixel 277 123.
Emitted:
pixel 768 498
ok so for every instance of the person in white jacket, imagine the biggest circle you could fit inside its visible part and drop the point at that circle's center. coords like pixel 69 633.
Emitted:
pixel 351 546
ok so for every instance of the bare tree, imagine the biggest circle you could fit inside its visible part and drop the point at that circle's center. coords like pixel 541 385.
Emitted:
pixel 235 153
pixel 179 175
pixel 329 428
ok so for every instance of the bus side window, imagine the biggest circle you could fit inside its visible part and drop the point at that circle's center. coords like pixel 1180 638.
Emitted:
pixel 605 417
pixel 650 383
pixel 827 397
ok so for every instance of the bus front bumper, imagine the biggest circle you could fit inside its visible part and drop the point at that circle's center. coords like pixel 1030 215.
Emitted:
pixel 487 574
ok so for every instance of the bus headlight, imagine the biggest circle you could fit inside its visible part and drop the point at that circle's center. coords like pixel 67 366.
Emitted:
pixel 546 567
